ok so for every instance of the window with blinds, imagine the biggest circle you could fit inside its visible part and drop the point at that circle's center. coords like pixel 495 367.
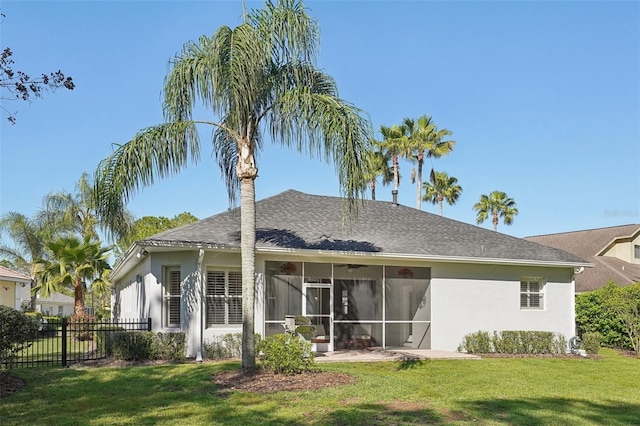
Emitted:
pixel 531 295
pixel 172 297
pixel 224 298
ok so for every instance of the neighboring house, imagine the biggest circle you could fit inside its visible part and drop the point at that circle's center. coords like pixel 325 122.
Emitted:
pixel 398 277
pixel 614 252
pixel 14 288
pixel 57 304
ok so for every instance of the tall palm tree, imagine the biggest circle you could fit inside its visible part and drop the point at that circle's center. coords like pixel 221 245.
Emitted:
pixel 258 77
pixel 443 187
pixel 74 264
pixel 393 144
pixel 28 236
pixel 497 204
pixel 425 141
pixel 78 212
pixel 378 167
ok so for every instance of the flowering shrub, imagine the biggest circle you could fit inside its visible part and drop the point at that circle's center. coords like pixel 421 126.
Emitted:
pixel 288 268
pixel 405 273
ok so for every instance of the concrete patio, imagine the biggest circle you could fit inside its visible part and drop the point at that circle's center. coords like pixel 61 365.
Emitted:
pixel 395 354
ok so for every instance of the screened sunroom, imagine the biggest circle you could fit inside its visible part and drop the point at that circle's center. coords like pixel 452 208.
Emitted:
pixel 350 306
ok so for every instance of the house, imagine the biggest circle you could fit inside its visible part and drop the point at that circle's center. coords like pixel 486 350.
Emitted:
pixel 398 277
pixel 614 252
pixel 14 288
pixel 57 304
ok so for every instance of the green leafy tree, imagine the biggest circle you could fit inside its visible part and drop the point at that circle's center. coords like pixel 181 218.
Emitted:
pixel 425 141
pixel 28 237
pixel 497 205
pixel 443 187
pixel 394 145
pixel 257 77
pixel 78 213
pixel 378 167
pixel 73 264
pixel 151 225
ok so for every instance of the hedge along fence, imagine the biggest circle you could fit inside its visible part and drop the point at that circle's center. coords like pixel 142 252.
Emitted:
pixel 514 342
pixel 147 345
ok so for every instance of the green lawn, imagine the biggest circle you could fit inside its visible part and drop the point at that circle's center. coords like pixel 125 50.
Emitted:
pixel 490 391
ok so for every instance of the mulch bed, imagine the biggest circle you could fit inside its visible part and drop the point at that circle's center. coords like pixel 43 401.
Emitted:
pixel 264 381
pixel 10 385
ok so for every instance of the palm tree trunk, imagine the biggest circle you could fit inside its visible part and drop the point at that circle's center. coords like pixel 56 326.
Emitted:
pixel 495 221
pixel 78 298
pixel 419 185
pixel 396 179
pixel 248 253
pixel 440 201
pixel 373 189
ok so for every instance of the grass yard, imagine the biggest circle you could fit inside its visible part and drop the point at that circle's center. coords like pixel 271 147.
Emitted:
pixel 492 391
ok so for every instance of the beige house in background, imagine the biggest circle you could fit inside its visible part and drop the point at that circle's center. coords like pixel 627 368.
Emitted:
pixel 614 252
pixel 14 288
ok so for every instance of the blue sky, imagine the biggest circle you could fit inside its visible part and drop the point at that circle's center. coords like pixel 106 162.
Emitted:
pixel 543 99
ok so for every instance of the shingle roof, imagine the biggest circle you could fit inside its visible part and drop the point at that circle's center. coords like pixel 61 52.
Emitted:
pixel 294 220
pixel 11 275
pixel 587 244
pixel 57 298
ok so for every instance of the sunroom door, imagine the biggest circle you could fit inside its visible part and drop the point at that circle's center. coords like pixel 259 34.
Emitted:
pixel 318 309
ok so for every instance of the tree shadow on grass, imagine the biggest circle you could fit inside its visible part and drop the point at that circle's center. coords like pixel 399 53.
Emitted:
pixel 545 411
pixel 391 413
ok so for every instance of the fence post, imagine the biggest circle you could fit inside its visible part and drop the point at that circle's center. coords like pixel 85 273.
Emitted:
pixel 64 341
pixel 149 324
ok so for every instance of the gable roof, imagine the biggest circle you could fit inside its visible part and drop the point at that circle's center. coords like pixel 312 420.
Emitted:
pixel 589 244
pixel 57 298
pixel 295 221
pixel 7 274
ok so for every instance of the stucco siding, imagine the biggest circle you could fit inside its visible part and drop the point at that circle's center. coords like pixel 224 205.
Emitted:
pixel 468 298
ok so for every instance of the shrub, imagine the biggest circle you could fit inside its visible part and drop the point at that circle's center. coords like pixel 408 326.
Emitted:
pixel 591 343
pixel 104 338
pixel 514 342
pixel 286 354
pixel 225 346
pixel 478 342
pixel 595 313
pixel 170 346
pixel 17 332
pixel 133 345
pixel 81 326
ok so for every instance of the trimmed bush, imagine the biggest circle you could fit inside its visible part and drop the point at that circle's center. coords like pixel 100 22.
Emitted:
pixel 286 354
pixel 133 345
pixel 478 342
pixel 591 343
pixel 17 332
pixel 225 346
pixel 514 342
pixel 104 338
pixel 170 346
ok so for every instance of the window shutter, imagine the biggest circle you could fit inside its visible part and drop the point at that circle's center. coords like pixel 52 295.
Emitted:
pixel 173 300
pixel 215 298
pixel 235 298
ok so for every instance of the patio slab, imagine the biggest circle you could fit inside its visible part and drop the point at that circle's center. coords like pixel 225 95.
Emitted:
pixel 370 355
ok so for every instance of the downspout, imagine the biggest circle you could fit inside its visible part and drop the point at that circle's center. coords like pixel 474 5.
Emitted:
pixel 199 291
pixel 577 271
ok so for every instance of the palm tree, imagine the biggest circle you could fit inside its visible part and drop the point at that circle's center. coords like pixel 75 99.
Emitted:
pixel 258 77
pixel 378 166
pixel 78 212
pixel 425 141
pixel 394 145
pixel 28 236
pixel 497 204
pixel 74 264
pixel 443 187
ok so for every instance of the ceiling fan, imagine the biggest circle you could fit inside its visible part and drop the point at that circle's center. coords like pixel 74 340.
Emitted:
pixel 351 266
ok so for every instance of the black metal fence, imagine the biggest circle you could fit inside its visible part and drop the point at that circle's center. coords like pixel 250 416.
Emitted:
pixel 64 342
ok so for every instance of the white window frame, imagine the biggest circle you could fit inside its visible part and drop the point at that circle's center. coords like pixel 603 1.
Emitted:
pixel 172 296
pixel 530 298
pixel 232 298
